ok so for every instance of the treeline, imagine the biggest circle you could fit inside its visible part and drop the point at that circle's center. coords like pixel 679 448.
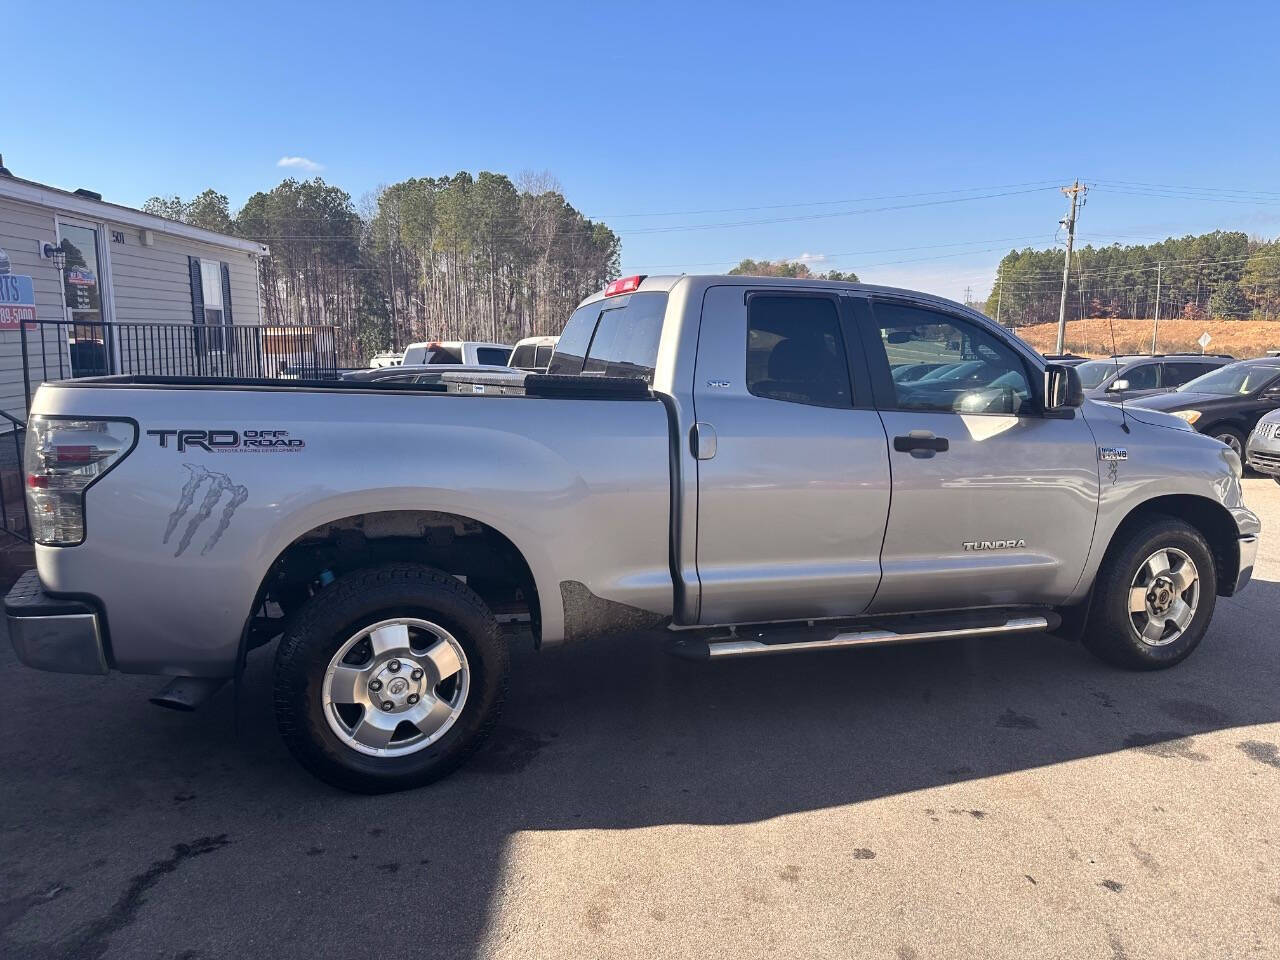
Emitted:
pixel 461 257
pixel 1220 274
pixel 788 268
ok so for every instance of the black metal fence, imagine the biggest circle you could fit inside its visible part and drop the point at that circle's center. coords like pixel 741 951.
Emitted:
pixel 13 499
pixel 64 349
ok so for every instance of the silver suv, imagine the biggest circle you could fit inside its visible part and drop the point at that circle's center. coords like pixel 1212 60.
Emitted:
pixel 1131 377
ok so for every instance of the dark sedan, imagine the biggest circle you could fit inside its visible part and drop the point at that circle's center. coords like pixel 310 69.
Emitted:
pixel 1227 403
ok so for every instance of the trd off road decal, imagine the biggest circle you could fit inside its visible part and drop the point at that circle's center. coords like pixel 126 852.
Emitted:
pixel 220 485
pixel 228 441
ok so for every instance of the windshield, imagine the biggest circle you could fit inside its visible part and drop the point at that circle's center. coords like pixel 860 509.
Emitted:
pixel 1233 380
pixel 1095 371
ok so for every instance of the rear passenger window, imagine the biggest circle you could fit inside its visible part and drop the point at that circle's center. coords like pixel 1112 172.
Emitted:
pixel 626 340
pixel 795 351
pixel 492 356
pixel 1179 372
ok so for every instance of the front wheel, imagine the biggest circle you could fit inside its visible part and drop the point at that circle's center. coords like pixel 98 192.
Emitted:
pixel 1154 596
pixel 1232 437
pixel 389 678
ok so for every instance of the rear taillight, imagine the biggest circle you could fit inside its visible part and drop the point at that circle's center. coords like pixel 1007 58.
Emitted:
pixel 63 457
pixel 623 285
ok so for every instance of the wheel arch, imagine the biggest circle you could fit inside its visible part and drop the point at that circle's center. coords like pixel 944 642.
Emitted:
pixel 1213 521
pixel 467 546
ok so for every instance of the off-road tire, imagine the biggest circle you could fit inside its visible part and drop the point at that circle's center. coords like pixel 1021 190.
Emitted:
pixel 1109 633
pixel 356 600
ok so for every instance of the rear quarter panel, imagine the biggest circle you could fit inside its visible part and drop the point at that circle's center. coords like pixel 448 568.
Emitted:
pixel 581 487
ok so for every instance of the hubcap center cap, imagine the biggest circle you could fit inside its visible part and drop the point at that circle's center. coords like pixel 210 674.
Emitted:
pixel 396 687
pixel 1161 596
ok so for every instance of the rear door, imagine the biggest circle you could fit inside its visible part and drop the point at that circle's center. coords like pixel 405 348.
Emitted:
pixel 993 502
pixel 793 471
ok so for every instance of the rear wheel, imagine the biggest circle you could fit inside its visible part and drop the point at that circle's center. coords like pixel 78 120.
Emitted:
pixel 1154 596
pixel 389 678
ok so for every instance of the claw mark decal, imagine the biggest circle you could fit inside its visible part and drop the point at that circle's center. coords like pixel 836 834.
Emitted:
pixel 219 485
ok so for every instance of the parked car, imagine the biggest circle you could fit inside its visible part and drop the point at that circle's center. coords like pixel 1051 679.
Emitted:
pixel 1226 403
pixel 812 503
pixel 1262 450
pixel 532 353
pixel 387 358
pixel 1132 377
pixel 466 352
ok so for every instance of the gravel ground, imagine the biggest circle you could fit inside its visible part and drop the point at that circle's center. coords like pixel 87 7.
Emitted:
pixel 1010 798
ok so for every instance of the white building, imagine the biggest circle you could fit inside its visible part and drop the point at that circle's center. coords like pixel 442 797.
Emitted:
pixel 97 272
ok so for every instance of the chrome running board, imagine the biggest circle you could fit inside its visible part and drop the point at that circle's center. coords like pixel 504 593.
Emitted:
pixel 736 645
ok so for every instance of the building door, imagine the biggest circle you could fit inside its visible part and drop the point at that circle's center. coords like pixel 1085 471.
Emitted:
pixel 83 289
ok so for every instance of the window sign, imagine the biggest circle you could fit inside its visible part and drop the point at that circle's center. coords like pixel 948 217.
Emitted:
pixel 17 300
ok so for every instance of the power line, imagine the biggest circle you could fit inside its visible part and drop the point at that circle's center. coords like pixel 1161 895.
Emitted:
pixel 1043 184
pixel 1170 186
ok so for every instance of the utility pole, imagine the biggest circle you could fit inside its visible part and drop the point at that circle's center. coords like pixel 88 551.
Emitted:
pixel 1155 328
pixel 1075 191
pixel 999 291
pixel 968 296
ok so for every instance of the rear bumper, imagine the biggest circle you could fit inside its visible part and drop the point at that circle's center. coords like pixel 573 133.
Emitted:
pixel 49 633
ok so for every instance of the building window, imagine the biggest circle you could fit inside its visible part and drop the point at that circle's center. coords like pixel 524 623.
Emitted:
pixel 211 311
pixel 211 288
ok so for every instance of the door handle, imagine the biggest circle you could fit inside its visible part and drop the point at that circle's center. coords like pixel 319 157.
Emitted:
pixel 702 440
pixel 921 443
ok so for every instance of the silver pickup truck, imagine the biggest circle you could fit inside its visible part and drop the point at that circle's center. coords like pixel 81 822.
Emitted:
pixel 743 466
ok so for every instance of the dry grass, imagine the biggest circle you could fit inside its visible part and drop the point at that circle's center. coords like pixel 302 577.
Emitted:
pixel 1092 336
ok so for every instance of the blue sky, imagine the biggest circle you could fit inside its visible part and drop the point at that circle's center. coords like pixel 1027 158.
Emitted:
pixel 786 122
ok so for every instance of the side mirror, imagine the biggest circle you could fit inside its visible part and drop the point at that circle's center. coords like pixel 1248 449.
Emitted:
pixel 1062 388
pixel 1118 386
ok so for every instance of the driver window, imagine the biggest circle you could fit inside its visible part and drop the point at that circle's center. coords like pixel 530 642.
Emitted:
pixel 942 363
pixel 1142 377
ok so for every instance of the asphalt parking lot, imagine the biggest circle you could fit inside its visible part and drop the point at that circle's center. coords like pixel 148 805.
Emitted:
pixel 1010 798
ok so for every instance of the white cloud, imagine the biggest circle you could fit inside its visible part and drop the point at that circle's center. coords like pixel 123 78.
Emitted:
pixel 300 163
pixel 809 258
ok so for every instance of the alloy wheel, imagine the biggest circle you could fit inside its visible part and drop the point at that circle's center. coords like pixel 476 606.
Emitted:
pixel 395 687
pixel 1164 596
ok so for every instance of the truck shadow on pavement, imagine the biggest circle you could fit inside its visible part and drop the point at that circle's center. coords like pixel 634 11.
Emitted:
pixel 130 831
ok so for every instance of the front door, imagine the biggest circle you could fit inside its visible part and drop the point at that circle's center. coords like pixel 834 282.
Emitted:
pixel 793 470
pixel 993 502
pixel 82 280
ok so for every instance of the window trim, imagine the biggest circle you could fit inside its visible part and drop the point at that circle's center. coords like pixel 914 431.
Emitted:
pixel 886 395
pixel 861 397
